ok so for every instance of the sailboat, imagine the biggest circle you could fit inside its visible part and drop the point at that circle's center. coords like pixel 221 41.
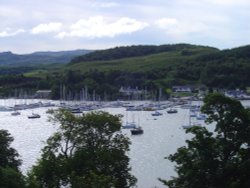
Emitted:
pixel 172 111
pixel 16 112
pixel 190 123
pixel 156 113
pixel 201 116
pixel 33 116
pixel 129 125
pixel 137 130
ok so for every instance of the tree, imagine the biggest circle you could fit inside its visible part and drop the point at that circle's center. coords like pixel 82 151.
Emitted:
pixel 10 176
pixel 87 151
pixel 219 159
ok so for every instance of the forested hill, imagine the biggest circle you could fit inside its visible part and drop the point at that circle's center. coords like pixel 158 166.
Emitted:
pixel 38 58
pixel 168 65
pixel 242 52
pixel 135 51
pixel 150 67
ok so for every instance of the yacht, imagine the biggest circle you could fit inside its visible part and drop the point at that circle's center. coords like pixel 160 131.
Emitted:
pixel 137 131
pixel 156 113
pixel 129 125
pixel 172 111
pixel 33 116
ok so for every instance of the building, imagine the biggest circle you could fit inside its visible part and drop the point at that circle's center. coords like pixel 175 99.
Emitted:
pixel 182 89
pixel 190 89
pixel 130 91
pixel 43 94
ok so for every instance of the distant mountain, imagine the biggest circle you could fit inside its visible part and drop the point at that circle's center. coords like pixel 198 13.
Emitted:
pixel 38 58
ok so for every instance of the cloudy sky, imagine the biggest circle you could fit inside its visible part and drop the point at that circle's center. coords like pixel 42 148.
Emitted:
pixel 52 25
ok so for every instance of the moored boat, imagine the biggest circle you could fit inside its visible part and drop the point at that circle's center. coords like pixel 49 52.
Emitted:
pixel 15 113
pixel 76 111
pixel 33 116
pixel 137 131
pixel 172 111
pixel 201 116
pixel 156 113
pixel 129 125
pixel 191 125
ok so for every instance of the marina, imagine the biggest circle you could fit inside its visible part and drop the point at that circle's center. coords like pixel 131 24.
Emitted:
pixel 161 136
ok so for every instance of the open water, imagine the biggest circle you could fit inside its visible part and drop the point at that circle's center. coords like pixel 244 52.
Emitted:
pixel 162 136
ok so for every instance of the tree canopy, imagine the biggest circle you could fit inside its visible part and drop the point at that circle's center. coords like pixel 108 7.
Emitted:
pixel 133 51
pixel 10 176
pixel 87 151
pixel 219 159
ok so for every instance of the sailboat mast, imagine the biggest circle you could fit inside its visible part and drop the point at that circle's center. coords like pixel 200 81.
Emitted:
pixel 190 112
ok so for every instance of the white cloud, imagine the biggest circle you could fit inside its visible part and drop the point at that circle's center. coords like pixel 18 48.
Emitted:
pixel 47 28
pixel 221 23
pixel 97 27
pixel 8 33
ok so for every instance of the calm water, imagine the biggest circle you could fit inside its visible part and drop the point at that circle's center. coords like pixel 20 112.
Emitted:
pixel 162 136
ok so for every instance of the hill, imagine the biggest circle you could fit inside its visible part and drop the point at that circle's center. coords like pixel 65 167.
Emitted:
pixel 39 58
pixel 136 51
pixel 139 58
pixel 178 64
pixel 150 67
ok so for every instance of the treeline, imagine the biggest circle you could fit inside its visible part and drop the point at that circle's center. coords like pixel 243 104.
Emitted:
pixel 224 69
pixel 132 51
pixel 105 85
pixel 6 70
pixel 235 53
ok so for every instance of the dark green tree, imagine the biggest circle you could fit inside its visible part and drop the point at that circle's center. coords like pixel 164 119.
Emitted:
pixel 10 176
pixel 87 151
pixel 219 159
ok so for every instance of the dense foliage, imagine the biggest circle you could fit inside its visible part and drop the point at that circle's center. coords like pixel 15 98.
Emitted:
pixel 131 51
pixel 10 176
pixel 87 151
pixel 216 159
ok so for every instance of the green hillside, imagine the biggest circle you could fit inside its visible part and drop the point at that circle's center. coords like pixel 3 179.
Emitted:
pixel 143 67
pixel 157 57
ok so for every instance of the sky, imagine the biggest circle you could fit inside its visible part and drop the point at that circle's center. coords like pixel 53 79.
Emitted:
pixel 53 25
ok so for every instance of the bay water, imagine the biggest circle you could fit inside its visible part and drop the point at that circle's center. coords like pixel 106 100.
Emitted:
pixel 162 136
